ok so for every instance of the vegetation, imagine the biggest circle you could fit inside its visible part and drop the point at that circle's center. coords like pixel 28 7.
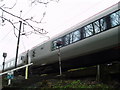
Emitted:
pixel 82 68
pixel 69 84
pixel 78 84
pixel 73 79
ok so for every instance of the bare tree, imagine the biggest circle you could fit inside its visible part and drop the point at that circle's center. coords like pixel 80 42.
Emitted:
pixel 26 22
pixel 45 2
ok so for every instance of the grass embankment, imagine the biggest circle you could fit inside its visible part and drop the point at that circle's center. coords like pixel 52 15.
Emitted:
pixel 70 79
pixel 62 84
pixel 53 83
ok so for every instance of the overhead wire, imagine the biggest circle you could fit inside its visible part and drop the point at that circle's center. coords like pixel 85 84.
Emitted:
pixel 24 47
pixel 6 36
pixel 23 26
pixel 24 16
pixel 28 11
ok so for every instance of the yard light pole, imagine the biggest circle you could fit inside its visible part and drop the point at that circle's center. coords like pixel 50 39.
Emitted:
pixel 59 43
pixel 4 56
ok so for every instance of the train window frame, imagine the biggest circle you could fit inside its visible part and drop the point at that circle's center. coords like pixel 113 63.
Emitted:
pixel 86 29
pixel 103 24
pixel 96 26
pixel 71 37
pixel 112 20
pixel 76 36
pixel 12 63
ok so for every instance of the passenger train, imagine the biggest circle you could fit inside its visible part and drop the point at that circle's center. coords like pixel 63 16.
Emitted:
pixel 91 42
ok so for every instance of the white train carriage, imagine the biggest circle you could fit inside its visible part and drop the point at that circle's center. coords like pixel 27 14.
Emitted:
pixel 9 64
pixel 22 60
pixel 96 34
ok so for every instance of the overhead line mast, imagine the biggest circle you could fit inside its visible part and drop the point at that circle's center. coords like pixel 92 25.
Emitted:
pixel 18 44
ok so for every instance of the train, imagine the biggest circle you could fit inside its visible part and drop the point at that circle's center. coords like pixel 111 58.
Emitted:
pixel 93 41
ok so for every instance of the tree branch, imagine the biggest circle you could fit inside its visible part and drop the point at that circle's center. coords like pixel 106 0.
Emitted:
pixel 11 24
pixel 24 20
pixel 31 19
pixel 43 2
pixel 3 6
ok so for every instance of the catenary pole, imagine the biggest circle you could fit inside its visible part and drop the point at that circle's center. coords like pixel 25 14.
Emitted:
pixel 18 44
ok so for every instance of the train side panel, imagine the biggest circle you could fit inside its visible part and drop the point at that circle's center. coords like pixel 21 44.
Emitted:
pixel 41 54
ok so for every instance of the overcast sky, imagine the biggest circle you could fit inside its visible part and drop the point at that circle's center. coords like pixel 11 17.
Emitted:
pixel 59 16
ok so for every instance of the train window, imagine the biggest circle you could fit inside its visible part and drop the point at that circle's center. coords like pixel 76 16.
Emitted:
pixel 54 46
pixel 66 39
pixel 115 18
pixel 103 24
pixel 8 64
pixel 12 63
pixel 88 30
pixel 5 66
pixel 96 25
pixel 76 35
pixel 60 45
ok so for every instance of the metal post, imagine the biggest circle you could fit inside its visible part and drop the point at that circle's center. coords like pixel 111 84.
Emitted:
pixel 9 81
pixel 26 69
pixel 4 55
pixel 3 65
pixel 10 76
pixel 26 72
pixel 18 44
pixel 98 73
pixel 60 67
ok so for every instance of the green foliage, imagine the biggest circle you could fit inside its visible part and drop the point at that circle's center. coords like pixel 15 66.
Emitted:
pixel 78 84
pixel 82 68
